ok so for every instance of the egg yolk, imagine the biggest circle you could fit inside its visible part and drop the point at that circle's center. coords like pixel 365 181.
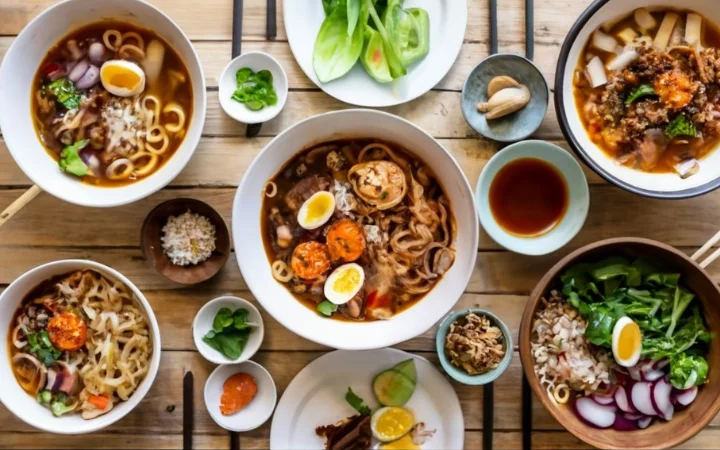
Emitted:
pixel 629 341
pixel 120 77
pixel 347 281
pixel 404 443
pixel 318 207
pixel 395 421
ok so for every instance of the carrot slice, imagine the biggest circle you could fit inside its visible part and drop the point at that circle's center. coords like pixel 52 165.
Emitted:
pixel 310 260
pixel 238 392
pixel 345 240
pixel 100 401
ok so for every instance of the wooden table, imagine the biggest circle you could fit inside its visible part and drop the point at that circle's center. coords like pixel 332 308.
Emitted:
pixel 48 230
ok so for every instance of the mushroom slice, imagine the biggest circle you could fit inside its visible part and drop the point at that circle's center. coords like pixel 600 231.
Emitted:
pixel 381 184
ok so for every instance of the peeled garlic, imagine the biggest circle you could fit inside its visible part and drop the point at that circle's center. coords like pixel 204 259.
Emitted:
pixel 497 84
pixel 505 101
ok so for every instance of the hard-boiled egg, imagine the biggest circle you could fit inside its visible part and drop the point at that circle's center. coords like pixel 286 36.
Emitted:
pixel 316 210
pixel 391 423
pixel 122 78
pixel 344 283
pixel 626 342
pixel 404 443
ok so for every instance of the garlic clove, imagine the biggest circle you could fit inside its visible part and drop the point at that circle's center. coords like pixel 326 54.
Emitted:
pixel 497 84
pixel 505 101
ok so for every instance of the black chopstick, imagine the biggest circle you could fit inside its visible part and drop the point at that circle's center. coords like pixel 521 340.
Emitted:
pixel 488 415
pixel 252 130
pixel 234 440
pixel 188 410
pixel 271 22
pixel 493 27
pixel 526 414
pixel 529 29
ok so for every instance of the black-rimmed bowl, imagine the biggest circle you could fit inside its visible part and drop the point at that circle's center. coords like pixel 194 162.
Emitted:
pixel 656 185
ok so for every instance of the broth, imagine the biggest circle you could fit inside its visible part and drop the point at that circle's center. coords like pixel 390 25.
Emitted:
pixel 399 232
pixel 121 138
pixel 528 197
pixel 637 131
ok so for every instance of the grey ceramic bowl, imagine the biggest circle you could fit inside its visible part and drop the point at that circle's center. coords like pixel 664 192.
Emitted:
pixel 459 374
pixel 516 126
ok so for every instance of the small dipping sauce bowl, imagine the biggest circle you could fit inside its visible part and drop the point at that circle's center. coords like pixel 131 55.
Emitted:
pixel 515 126
pixel 256 61
pixel 554 194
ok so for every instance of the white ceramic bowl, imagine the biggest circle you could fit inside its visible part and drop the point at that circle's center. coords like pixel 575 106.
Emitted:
pixel 18 72
pixel 257 61
pixel 24 406
pixel 257 412
pixel 276 299
pixel 665 185
pixel 577 210
pixel 204 322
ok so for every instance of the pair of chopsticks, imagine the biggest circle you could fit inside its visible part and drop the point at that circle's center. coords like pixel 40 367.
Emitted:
pixel 529 28
pixel 19 204
pixel 702 250
pixel 270 32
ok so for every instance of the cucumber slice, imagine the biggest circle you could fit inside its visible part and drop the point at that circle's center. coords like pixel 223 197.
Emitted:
pixel 407 368
pixel 392 388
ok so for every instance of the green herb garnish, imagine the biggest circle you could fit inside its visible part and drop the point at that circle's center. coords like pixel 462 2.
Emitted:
pixel 65 93
pixel 70 161
pixel 357 403
pixel 254 90
pixel 327 308
pixel 230 332
pixel 42 347
pixel 680 126
pixel 644 90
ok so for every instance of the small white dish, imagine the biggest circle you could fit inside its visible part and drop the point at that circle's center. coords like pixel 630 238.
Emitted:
pixel 256 61
pixel 257 412
pixel 578 192
pixel 203 323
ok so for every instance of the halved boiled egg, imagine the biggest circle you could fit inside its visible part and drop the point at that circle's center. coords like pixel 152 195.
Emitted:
pixel 391 423
pixel 626 342
pixel 316 210
pixel 122 78
pixel 404 443
pixel 344 283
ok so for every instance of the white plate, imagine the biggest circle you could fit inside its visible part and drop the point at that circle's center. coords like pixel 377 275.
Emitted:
pixel 316 396
pixel 448 19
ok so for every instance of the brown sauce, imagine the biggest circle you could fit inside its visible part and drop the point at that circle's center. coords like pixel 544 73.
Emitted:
pixel 528 197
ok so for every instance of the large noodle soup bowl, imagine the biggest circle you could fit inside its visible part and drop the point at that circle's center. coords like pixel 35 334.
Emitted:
pixel 24 406
pixel 274 296
pixel 17 75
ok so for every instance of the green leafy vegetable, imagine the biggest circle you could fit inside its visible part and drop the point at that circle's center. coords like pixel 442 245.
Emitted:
pixel 397 69
pixel 326 308
pixel 230 332
pixel 357 403
pixel 680 126
pixel 255 90
pixel 59 408
pixel 409 30
pixel 44 397
pixel 644 90
pixel 687 371
pixel 42 347
pixel 335 51
pixel 70 161
pixel 65 93
pixel 353 15
pixel 373 57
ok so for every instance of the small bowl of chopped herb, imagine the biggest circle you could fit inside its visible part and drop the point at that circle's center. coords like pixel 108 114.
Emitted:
pixel 253 88
pixel 228 330
pixel 474 346
pixel 186 240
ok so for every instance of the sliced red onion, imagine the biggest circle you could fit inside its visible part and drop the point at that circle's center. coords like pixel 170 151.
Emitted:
pixel 96 52
pixel 661 396
pixel 622 400
pixel 55 74
pixel 669 413
pixel 624 424
pixel 634 372
pixel 661 364
pixel 89 79
pixel 634 416
pixel 644 422
pixel 593 413
pixel 641 397
pixel 603 399
pixel 92 161
pixel 687 396
pixel 78 71
pixel 653 375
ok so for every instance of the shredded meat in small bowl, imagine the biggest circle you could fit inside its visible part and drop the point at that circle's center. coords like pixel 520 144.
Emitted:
pixel 474 344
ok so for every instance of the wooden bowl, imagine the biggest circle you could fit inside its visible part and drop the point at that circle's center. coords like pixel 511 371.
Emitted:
pixel 152 245
pixel 660 434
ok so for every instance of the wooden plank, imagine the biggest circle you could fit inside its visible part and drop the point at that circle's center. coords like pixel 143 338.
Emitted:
pixel 694 220
pixel 103 439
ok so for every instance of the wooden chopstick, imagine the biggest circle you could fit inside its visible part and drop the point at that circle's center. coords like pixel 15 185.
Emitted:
pixel 493 27
pixel 19 204
pixel 707 246
pixel 188 410
pixel 529 29
pixel 488 415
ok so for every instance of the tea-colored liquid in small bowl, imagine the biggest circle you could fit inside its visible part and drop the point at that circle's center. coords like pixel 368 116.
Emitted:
pixel 528 197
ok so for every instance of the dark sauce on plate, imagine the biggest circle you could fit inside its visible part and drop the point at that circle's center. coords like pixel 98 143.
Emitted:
pixel 528 197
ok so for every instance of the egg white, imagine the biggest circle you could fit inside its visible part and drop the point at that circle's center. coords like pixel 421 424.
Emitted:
pixel 619 326
pixel 126 66
pixel 322 220
pixel 340 298
pixel 376 418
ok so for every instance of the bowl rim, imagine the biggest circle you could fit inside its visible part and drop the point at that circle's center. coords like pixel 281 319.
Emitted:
pixel 247 352
pixel 532 65
pixel 456 373
pixel 527 320
pixel 145 385
pixel 191 141
pixel 302 331
pixel 563 61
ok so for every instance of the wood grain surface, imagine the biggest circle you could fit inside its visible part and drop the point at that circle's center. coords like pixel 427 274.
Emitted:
pixel 48 230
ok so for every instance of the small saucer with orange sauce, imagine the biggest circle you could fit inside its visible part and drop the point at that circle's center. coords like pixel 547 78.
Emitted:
pixel 532 197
